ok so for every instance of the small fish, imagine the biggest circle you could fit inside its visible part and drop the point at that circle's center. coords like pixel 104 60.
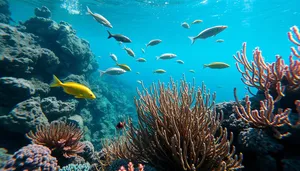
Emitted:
pixel 129 51
pixel 159 71
pixel 141 60
pixel 72 88
pixel 114 57
pixel 102 20
pixel 112 71
pixel 138 73
pixel 143 50
pixel 216 65
pixel 192 71
pixel 99 56
pixel 180 61
pixel 219 40
pixel 197 21
pixel 139 81
pixel 185 25
pixel 166 56
pixel 219 86
pixel 154 42
pixel 120 125
pixel 124 66
pixel 209 32
pixel 119 37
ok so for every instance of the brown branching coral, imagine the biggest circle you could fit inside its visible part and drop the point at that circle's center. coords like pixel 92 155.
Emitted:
pixel 265 117
pixel 179 129
pixel 61 138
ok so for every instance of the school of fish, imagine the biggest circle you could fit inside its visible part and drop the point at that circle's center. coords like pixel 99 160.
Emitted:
pixel 81 91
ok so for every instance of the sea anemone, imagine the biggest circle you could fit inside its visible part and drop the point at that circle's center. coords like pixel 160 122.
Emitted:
pixel 61 138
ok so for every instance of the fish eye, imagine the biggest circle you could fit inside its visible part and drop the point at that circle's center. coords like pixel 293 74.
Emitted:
pixel 91 95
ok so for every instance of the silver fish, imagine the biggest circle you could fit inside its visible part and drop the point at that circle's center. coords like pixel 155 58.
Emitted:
pixel 185 25
pixel 166 56
pixel 192 71
pixel 180 61
pixel 112 71
pixel 209 32
pixel 119 37
pixel 143 50
pixel 154 42
pixel 129 51
pixel 113 57
pixel 99 18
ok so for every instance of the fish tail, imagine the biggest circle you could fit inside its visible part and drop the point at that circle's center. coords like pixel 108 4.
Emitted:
pixel 157 57
pixel 192 39
pixel 109 34
pixel 101 73
pixel 56 82
pixel 89 11
pixel 205 65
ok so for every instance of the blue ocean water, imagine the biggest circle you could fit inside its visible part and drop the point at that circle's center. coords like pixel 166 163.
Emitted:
pixel 260 23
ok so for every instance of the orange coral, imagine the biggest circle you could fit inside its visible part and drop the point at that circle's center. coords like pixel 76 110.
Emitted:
pixel 260 74
pixel 291 38
pixel 61 138
pixel 264 118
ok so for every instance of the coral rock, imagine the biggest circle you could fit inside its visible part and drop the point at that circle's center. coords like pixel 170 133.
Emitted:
pixel 32 157
pixel 14 90
pixel 256 140
pixel 54 108
pixel 4 12
pixel 77 120
pixel 22 56
pixel 42 12
pixel 24 117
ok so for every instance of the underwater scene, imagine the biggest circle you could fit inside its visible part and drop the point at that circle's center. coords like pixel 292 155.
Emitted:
pixel 140 85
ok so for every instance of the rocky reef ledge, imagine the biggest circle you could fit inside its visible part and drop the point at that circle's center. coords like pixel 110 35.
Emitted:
pixel 30 54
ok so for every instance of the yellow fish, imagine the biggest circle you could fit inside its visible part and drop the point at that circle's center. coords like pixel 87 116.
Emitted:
pixel 197 21
pixel 124 66
pixel 216 65
pixel 72 88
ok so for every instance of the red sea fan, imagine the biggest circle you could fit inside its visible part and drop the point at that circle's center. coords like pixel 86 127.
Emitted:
pixel 61 138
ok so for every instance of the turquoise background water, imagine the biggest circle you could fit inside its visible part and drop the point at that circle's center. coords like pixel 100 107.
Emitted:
pixel 262 23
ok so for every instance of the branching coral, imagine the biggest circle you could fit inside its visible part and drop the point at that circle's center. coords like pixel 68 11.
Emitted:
pixel 179 129
pixel 61 138
pixel 295 30
pixel 264 118
pixel 260 74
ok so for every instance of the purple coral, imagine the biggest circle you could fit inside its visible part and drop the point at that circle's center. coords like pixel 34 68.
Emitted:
pixel 32 157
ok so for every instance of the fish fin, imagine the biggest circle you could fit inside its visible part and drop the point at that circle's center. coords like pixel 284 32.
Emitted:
pixel 192 39
pixel 146 45
pixel 109 34
pixel 204 66
pixel 56 82
pixel 101 73
pixel 79 96
pixel 89 11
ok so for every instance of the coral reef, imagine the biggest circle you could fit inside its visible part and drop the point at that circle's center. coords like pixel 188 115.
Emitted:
pixel 32 157
pixel 178 129
pixel 76 167
pixel 273 110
